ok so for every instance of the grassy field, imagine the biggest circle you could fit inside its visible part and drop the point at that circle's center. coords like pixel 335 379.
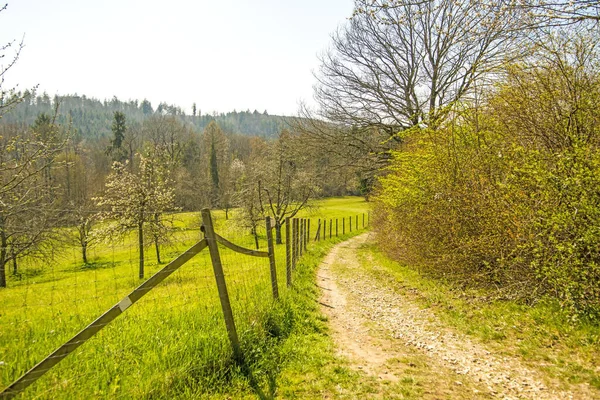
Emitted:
pixel 172 343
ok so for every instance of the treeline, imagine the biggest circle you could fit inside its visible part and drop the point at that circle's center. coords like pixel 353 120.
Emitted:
pixel 59 186
pixel 92 118
pixel 484 120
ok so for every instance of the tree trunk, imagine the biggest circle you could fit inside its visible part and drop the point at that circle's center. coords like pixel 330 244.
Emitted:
pixel 156 245
pixel 83 229
pixel 141 247
pixel 278 239
pixel 84 252
pixel 226 213
pixel 255 234
pixel 4 243
pixel 15 264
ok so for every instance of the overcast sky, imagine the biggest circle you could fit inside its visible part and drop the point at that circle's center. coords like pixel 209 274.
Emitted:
pixel 221 54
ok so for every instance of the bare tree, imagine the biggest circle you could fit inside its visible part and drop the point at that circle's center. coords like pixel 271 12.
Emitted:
pixel 245 196
pixel 402 66
pixel 554 13
pixel 9 97
pixel 27 200
pixel 286 182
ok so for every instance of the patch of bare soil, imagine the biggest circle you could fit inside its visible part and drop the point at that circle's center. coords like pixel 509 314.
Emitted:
pixel 373 326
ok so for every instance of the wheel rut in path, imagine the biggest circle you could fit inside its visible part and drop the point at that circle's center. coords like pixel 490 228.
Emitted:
pixel 374 327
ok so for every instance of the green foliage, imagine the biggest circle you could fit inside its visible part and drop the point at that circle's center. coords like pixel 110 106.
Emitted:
pixel 505 195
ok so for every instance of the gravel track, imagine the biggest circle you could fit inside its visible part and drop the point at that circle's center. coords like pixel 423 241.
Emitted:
pixel 372 323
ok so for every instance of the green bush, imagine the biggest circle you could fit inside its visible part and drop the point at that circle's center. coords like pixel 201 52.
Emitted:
pixel 506 195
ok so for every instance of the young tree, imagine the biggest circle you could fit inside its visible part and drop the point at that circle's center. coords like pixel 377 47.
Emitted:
pixel 138 200
pixel 245 195
pixel 79 182
pixel 285 180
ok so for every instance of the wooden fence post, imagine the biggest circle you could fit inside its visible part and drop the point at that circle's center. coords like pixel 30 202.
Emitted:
pixel 297 238
pixel 344 226
pixel 350 223
pixel 213 249
pixel 288 253
pixel 294 249
pixel 300 247
pixel 308 232
pixel 336 227
pixel 330 227
pixel 272 258
pixel 363 220
pixel 305 234
pixel 305 237
pixel 318 237
pixel 356 225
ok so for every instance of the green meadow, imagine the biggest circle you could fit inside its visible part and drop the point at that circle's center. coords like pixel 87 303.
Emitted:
pixel 173 342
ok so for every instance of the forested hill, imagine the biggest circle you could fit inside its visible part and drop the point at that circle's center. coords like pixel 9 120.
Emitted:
pixel 93 118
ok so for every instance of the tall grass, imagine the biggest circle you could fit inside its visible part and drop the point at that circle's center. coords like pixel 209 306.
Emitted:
pixel 172 343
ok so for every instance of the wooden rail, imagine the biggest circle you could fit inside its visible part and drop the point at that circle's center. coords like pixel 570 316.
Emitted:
pixel 89 331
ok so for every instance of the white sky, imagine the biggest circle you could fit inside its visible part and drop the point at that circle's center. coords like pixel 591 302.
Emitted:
pixel 221 54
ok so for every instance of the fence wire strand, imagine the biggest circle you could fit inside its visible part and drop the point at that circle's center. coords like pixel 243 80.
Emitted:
pixel 149 348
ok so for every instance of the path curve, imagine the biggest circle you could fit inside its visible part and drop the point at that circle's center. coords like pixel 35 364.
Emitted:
pixel 372 324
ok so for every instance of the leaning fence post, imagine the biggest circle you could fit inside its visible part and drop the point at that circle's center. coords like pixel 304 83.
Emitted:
pixel 213 248
pixel 288 253
pixel 272 258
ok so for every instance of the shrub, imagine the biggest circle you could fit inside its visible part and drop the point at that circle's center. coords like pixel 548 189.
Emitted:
pixel 506 194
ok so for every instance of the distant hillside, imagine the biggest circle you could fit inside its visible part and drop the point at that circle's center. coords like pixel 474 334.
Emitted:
pixel 92 118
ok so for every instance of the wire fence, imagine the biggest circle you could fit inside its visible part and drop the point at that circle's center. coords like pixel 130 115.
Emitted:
pixel 73 330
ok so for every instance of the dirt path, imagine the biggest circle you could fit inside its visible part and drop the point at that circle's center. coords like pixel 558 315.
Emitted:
pixel 376 328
